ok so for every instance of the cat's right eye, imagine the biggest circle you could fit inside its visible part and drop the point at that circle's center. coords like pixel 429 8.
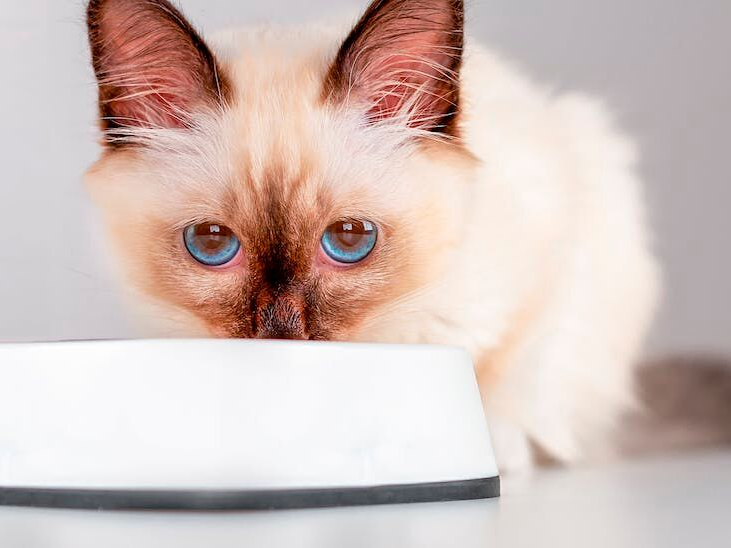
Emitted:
pixel 212 244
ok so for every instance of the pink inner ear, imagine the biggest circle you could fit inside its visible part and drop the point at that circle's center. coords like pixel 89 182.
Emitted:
pixel 414 83
pixel 153 69
pixel 158 109
pixel 403 59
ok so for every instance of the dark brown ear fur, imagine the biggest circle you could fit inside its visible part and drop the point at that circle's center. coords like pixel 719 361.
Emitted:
pixel 403 55
pixel 153 68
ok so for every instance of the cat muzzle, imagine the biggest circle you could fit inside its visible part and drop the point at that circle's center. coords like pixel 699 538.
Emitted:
pixel 280 318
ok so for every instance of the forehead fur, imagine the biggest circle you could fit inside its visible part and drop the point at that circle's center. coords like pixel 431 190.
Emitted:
pixel 278 137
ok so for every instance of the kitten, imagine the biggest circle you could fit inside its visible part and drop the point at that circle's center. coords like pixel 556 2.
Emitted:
pixel 389 184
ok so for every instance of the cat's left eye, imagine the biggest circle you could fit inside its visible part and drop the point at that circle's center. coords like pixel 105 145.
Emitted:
pixel 212 244
pixel 349 242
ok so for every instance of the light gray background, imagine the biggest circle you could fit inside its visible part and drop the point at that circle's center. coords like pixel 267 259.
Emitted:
pixel 662 64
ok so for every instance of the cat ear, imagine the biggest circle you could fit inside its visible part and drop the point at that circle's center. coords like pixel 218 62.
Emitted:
pixel 402 62
pixel 153 69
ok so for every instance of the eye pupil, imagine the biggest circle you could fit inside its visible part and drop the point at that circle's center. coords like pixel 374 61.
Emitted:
pixel 348 239
pixel 211 244
pixel 349 242
pixel 348 235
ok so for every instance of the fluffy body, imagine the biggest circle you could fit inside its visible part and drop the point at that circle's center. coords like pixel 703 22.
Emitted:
pixel 523 240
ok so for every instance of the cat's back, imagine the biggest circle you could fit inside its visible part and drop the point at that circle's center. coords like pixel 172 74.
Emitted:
pixel 561 153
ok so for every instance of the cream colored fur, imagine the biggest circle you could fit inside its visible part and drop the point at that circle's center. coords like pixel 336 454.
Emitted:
pixel 533 253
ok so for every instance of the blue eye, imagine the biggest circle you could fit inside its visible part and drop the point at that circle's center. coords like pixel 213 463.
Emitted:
pixel 349 242
pixel 211 244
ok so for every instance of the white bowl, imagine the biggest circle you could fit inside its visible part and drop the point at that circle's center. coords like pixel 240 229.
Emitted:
pixel 239 424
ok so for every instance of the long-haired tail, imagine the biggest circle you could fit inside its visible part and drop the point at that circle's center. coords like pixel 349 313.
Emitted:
pixel 686 404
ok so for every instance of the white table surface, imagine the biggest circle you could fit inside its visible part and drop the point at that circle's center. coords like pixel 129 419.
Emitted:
pixel 683 501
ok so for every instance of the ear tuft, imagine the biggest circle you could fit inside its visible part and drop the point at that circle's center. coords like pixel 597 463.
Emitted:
pixel 401 63
pixel 153 69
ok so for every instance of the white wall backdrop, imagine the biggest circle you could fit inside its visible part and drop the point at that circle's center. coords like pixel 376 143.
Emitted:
pixel 663 65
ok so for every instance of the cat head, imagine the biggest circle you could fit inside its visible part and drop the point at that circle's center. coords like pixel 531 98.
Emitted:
pixel 283 184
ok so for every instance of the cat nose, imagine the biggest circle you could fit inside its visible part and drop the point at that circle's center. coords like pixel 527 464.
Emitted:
pixel 281 317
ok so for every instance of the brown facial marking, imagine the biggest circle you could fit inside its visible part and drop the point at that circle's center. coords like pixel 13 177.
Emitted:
pixel 280 271
pixel 282 317
pixel 280 290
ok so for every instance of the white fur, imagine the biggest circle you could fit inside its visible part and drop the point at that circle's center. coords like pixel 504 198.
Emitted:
pixel 541 263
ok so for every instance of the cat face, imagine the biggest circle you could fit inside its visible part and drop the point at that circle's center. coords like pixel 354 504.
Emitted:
pixel 280 192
